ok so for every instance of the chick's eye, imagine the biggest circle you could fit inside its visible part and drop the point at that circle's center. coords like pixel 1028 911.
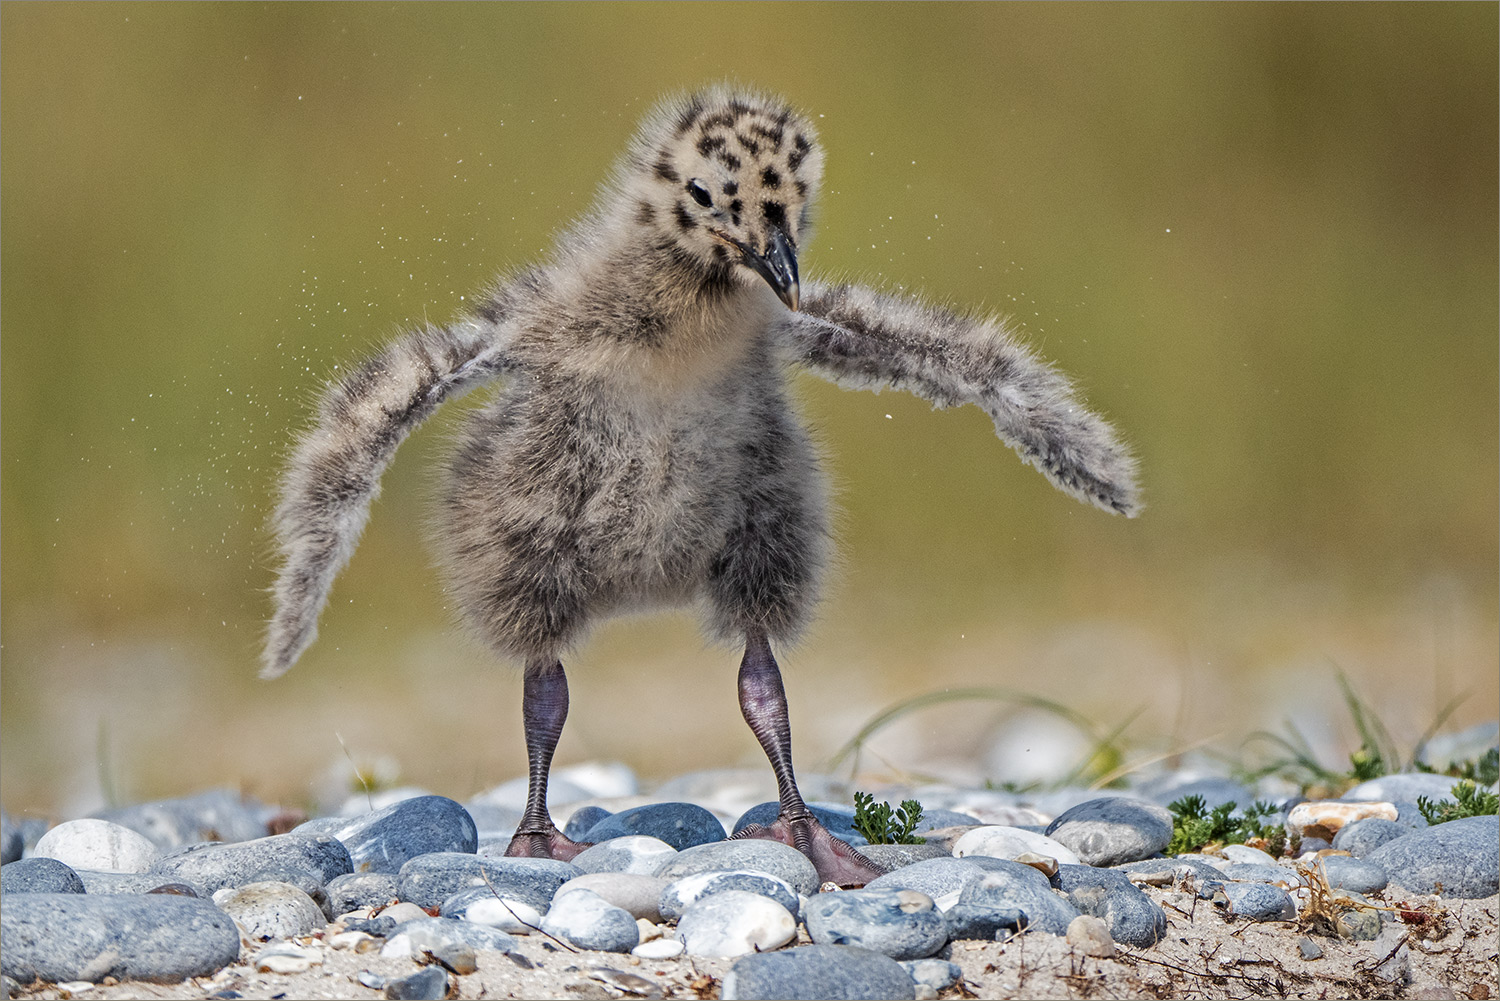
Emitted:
pixel 700 193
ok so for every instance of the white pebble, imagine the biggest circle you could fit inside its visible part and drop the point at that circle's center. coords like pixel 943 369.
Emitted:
pixel 97 845
pixel 1008 842
pixel 658 948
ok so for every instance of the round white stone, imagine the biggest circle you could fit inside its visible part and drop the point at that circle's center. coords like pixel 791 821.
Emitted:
pixel 98 845
pixel 1008 842
pixel 735 923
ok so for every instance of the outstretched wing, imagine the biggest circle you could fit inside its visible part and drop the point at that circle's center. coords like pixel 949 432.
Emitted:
pixel 334 471
pixel 864 339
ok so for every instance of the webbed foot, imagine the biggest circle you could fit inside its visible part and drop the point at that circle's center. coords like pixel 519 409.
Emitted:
pixel 836 860
pixel 546 842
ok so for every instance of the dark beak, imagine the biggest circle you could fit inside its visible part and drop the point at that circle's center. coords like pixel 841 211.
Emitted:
pixel 778 266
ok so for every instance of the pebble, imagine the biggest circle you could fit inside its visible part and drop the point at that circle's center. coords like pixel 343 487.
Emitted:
pixel 893 857
pixel 11 842
pixel 1324 818
pixel 1090 936
pixel 480 905
pixel 838 819
pixel 98 845
pixel 681 825
pixel 902 924
pixel 1343 872
pixel 1364 836
pixel 659 948
pixel 753 854
pixel 1245 854
pixel 938 974
pixel 1254 872
pixel 428 984
pixel 1462 857
pixel 266 911
pixel 216 815
pixel 676 897
pixel 635 853
pixel 1179 868
pixel 736 923
pixel 1404 787
pixel 938 878
pixel 1022 888
pixel 581 820
pixel 1105 832
pixel 135 882
pixel 354 890
pixel 428 880
pixel 215 866
pixel 1359 922
pixel 40 875
pixel 1008 842
pixel 588 921
pixel 835 972
pixel 285 958
pixel 1309 949
pixel 638 895
pixel 156 937
pixel 1132 917
pixel 1256 901
pixel 425 934
pixel 387 839
pixel 985 923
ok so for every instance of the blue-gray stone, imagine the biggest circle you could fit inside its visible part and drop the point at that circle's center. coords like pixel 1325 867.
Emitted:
pixel 838 819
pixel 428 984
pixel 428 880
pixel 387 839
pixel 355 890
pixel 893 857
pixel 1179 867
pixel 11 843
pixel 1113 830
pixel 1364 836
pixel 934 820
pixel 156 937
pixel 583 818
pixel 1357 875
pixel 680 894
pixel 936 877
pixel 215 866
pixel 432 934
pixel 902 924
pixel 217 815
pixel 1258 901
pixel 588 921
pixel 833 972
pixel 681 825
pixel 753 854
pixel 1013 886
pixel 135 882
pixel 1110 896
pixel 1257 872
pixel 1458 859
pixel 939 974
pixel 988 924
pixel 1406 786
pixel 40 875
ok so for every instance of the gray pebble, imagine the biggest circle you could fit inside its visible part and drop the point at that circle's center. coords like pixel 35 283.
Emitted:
pixel 1361 923
pixel 902 924
pixel 1364 836
pixel 1180 867
pixel 939 974
pixel 1013 886
pixel 428 984
pixel 1354 874
pixel 505 911
pixel 637 853
pixel 588 921
pixel 835 972
pixel 638 895
pixel 1258 901
pixel 1105 832
pixel 40 875
pixel 267 911
pixel 983 922
pixel 134 882
pixel 1133 918
pixel 156 937
pixel 893 857
pixel 838 819
pixel 413 938
pixel 1463 856
pixel 751 854
pixel 215 866
pixel 681 825
pixel 428 880
pixel 937 877
pixel 582 819
pixel 1309 949
pixel 676 897
pixel 354 890
pixel 217 815
pixel 387 839
pixel 1256 872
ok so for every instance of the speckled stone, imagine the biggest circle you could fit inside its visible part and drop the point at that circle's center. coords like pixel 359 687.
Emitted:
pixel 214 866
pixel 938 878
pixel 361 889
pixel 676 897
pixel 637 895
pixel 106 883
pixel 1364 836
pixel 98 845
pixel 833 972
pixel 1257 901
pixel 1131 916
pixel 428 880
pixel 1111 831
pixel 751 854
pixel 266 911
pixel 40 875
pixel 1461 856
pixel 893 857
pixel 635 853
pixel 424 934
pixel 588 921
pixel 385 840
pixel 1357 875
pixel 1020 887
pixel 902 924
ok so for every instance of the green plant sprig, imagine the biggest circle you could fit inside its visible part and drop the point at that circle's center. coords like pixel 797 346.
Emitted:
pixel 881 825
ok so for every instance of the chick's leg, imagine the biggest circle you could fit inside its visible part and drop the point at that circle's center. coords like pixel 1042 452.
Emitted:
pixel 763 701
pixel 544 709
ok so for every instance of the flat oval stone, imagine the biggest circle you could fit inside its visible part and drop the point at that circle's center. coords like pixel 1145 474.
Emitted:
pixel 1090 936
pixel 428 880
pixel 1246 854
pixel 98 845
pixel 1357 875
pixel 1008 842
pixel 387 839
pixel 136 882
pixel 155 937
pixel 681 825
pixel 1110 831
pixel 39 875
pixel 1324 818
pixel 834 972
pixel 354 890
pixel 636 853
pixel 735 923
pixel 638 895
pixel 902 924
pixel 481 905
pixel 753 854
pixel 1020 887
pixel 938 878
pixel 217 815
pixel 588 921
pixel 1258 902
pixel 1458 859
pixel 676 897
pixel 1108 894
pixel 215 866
pixel 266 911
pixel 1364 836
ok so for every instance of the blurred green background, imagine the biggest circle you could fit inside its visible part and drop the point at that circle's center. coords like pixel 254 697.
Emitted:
pixel 1264 237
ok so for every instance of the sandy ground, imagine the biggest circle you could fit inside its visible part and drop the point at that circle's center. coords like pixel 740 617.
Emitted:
pixel 1449 950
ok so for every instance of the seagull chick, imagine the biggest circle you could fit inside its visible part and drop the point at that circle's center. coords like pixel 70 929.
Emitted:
pixel 641 451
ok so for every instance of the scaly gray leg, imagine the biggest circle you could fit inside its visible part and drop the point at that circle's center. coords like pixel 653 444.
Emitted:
pixel 763 701
pixel 544 709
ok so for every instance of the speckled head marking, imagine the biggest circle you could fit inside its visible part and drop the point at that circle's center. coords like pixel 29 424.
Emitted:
pixel 729 176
